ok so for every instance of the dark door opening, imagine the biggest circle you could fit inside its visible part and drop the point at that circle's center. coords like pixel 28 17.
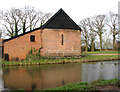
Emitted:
pixel 6 57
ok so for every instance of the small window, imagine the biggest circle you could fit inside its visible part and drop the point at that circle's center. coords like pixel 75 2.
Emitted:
pixel 32 38
pixel 62 39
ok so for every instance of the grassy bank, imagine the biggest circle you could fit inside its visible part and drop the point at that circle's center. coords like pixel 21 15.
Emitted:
pixel 36 59
pixel 0 62
pixel 95 85
pixel 102 52
pixel 86 58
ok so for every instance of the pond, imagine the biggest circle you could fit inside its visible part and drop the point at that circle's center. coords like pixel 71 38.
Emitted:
pixel 54 75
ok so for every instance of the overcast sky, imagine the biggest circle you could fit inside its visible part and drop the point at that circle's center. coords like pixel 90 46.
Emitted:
pixel 76 9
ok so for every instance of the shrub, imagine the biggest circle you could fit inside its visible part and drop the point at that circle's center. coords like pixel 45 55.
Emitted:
pixel 34 54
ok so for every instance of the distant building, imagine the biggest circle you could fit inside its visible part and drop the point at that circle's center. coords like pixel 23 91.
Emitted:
pixel 60 35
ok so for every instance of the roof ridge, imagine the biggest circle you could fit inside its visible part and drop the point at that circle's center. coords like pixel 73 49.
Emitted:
pixel 55 15
pixel 52 18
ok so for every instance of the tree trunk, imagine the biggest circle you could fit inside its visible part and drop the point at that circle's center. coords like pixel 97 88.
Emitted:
pixel 86 47
pixel 106 47
pixel 92 45
pixel 41 24
pixel 30 25
pixel 100 36
pixel 86 37
pixel 24 28
pixel 113 37
pixel 16 30
pixel 11 35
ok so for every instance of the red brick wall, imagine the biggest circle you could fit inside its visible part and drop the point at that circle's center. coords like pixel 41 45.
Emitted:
pixel 52 42
pixel 49 39
pixel 20 46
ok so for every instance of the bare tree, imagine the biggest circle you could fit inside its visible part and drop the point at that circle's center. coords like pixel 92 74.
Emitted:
pixel 32 18
pixel 17 20
pixel 15 13
pixel 88 33
pixel 107 43
pixel 113 24
pixel 44 17
pixel 99 23
pixel 23 18
pixel 11 21
pixel 92 33
pixel 84 26
pixel 1 31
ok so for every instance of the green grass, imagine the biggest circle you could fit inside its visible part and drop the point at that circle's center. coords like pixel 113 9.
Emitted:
pixel 105 82
pixel 0 62
pixel 64 60
pixel 102 52
pixel 99 57
pixel 84 86
pixel 75 86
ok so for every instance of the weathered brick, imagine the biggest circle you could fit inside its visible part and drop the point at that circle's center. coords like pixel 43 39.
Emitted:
pixel 20 46
pixel 49 39
pixel 52 42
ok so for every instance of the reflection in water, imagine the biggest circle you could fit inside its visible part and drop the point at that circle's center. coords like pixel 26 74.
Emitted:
pixel 33 86
pixel 104 70
pixel 50 76
pixel 41 77
pixel 119 70
pixel 1 81
pixel 63 83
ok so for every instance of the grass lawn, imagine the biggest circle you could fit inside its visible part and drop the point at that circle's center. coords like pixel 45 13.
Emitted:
pixel 102 52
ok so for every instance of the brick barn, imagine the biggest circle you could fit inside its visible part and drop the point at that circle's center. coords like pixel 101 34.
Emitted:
pixel 59 36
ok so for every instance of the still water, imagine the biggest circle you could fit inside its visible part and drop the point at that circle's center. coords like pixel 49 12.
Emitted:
pixel 54 75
